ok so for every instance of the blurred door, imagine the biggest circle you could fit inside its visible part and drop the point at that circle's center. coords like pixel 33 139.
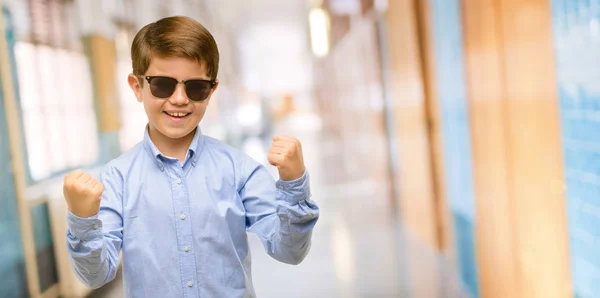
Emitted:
pixel 449 132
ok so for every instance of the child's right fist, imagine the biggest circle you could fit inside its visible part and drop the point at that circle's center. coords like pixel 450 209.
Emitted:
pixel 83 194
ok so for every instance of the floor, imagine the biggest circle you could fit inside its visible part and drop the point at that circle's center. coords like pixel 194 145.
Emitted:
pixel 359 249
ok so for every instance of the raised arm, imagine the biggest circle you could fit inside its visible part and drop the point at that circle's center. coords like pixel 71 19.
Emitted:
pixel 95 225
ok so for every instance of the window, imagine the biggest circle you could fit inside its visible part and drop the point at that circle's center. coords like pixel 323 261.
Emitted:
pixel 56 94
pixel 133 117
pixel 57 109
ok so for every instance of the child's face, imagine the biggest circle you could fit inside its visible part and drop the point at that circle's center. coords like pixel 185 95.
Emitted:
pixel 176 116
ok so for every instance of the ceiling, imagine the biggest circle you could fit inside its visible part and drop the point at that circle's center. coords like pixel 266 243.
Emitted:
pixel 240 14
pixel 272 41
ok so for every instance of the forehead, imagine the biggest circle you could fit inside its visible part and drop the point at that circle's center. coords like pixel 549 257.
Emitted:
pixel 177 67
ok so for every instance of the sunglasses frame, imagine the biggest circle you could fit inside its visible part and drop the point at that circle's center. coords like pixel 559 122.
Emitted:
pixel 150 78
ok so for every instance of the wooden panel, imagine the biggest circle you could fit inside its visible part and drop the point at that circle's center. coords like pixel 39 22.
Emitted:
pixel 416 189
pixel 493 229
pixel 432 110
pixel 416 199
pixel 521 225
pixel 102 54
pixel 535 149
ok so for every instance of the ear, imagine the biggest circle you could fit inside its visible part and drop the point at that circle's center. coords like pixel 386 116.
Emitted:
pixel 135 86
pixel 214 88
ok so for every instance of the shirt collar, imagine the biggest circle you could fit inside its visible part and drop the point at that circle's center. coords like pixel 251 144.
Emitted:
pixel 157 156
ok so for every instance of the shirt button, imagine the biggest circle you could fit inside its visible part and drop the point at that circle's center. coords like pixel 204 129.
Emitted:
pixel 95 226
pixel 182 216
pixel 178 181
pixel 186 248
pixel 281 187
pixel 190 284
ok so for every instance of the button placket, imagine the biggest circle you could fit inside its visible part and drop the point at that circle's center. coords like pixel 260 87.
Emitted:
pixel 184 229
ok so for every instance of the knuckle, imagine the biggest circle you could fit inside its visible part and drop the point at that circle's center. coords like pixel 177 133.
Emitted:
pixel 68 185
pixel 79 191
pixel 81 188
pixel 74 186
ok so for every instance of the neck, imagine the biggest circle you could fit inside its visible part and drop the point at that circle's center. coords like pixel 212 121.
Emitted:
pixel 176 148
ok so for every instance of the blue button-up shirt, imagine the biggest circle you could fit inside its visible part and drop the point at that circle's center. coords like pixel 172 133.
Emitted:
pixel 182 226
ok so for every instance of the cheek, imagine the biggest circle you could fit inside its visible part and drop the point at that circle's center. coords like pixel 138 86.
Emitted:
pixel 146 95
pixel 200 108
pixel 151 105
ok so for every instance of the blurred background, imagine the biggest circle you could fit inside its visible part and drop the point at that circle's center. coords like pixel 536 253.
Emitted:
pixel 453 145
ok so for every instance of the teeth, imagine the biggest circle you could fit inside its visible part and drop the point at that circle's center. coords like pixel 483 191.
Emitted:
pixel 177 114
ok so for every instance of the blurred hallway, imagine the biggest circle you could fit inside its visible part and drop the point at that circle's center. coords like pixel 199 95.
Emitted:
pixel 453 146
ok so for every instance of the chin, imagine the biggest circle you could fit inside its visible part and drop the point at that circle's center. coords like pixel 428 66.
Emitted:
pixel 180 133
pixel 176 132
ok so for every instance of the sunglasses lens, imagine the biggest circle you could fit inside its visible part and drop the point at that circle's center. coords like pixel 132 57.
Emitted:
pixel 162 87
pixel 197 90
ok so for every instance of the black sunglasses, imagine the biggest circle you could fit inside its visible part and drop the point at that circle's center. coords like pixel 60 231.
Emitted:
pixel 164 87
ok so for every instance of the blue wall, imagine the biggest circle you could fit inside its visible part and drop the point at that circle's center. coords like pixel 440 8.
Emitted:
pixel 13 281
pixel 12 269
pixel 455 131
pixel 577 44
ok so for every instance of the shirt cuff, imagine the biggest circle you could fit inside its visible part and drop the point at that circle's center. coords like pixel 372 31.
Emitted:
pixel 85 229
pixel 294 191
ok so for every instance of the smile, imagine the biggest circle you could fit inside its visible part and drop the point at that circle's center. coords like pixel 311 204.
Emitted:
pixel 177 114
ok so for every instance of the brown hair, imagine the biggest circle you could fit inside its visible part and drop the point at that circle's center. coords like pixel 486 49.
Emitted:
pixel 176 36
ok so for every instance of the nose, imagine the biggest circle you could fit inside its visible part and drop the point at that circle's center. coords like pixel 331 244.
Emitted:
pixel 179 96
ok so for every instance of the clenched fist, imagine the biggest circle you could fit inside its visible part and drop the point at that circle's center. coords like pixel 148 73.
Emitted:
pixel 83 193
pixel 286 155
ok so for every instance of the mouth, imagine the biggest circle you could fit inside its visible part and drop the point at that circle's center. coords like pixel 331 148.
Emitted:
pixel 176 116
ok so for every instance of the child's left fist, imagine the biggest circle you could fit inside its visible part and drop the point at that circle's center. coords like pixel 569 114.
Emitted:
pixel 286 155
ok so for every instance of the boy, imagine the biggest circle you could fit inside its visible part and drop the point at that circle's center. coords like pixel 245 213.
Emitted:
pixel 179 204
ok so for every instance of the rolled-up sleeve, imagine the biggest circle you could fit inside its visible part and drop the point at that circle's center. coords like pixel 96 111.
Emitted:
pixel 280 213
pixel 94 243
